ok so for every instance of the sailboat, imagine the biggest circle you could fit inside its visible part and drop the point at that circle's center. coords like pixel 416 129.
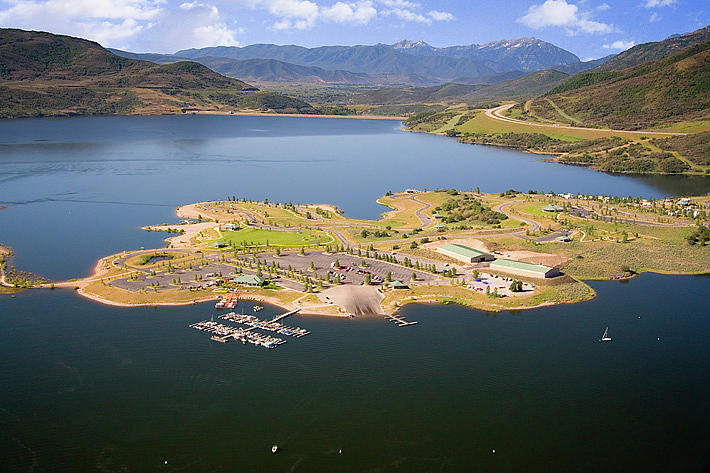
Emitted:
pixel 605 336
pixel 274 449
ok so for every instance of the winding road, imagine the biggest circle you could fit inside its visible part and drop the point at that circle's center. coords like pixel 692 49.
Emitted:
pixel 497 114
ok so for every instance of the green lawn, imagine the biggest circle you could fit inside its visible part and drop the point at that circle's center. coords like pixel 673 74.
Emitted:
pixel 257 236
pixel 485 124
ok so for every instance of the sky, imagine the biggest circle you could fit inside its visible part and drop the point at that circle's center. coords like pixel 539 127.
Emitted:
pixel 588 28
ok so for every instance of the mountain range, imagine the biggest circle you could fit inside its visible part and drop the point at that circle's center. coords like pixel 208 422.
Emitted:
pixel 403 63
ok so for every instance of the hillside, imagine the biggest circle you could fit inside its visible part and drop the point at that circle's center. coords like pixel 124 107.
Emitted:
pixel 668 90
pixel 263 70
pixel 47 74
pixel 656 50
pixel 530 85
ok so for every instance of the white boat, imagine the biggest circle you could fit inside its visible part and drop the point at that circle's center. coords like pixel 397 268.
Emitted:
pixel 274 449
pixel 605 336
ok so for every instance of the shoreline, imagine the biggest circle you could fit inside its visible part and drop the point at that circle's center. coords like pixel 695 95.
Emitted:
pixel 292 115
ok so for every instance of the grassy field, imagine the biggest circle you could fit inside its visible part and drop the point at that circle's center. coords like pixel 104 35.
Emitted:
pixel 567 290
pixel 143 258
pixel 482 123
pixel 685 127
pixel 262 237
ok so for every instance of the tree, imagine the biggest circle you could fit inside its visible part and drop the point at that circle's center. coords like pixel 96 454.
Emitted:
pixel 368 280
pixel 313 266
pixel 414 276
pixel 336 265
pixel 413 245
pixel 476 274
pixel 278 251
pixel 302 252
pixel 388 278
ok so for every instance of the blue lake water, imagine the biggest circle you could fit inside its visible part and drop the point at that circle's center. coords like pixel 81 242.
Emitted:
pixel 88 387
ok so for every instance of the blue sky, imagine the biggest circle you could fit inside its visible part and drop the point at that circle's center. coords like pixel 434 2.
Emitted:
pixel 588 28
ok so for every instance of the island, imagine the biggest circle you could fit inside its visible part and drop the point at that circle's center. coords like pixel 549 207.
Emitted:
pixel 504 251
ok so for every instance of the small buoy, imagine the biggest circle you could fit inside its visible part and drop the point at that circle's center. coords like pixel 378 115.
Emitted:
pixel 494 450
pixel 340 452
pixel 166 462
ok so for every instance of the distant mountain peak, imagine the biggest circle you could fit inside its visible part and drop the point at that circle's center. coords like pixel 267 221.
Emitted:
pixel 408 44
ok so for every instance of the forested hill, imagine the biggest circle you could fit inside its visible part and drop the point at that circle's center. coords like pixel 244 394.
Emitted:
pixel 47 74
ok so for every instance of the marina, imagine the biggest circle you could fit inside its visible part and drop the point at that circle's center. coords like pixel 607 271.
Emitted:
pixel 270 325
pixel 224 333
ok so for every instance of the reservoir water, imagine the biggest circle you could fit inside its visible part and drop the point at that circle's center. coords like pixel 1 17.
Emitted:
pixel 86 387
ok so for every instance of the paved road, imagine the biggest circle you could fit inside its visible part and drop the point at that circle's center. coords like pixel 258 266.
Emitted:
pixel 423 218
pixel 534 226
pixel 497 114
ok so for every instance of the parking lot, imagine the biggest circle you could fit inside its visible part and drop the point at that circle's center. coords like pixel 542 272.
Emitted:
pixel 351 270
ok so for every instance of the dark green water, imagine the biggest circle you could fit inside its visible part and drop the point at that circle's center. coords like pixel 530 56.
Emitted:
pixel 87 387
pixel 94 388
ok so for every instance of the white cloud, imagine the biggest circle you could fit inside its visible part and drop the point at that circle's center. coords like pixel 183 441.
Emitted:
pixel 297 14
pixel 603 7
pixel 356 13
pixel 410 11
pixel 658 3
pixel 192 25
pixel 110 22
pixel 559 13
pixel 304 14
pixel 440 15
pixel 620 45
pixel 654 17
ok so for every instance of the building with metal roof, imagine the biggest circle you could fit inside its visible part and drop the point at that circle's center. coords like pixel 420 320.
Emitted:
pixel 249 280
pixel 521 268
pixel 464 253
pixel 398 285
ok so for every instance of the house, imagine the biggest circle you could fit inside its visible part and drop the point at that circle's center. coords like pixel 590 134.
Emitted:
pixel 398 285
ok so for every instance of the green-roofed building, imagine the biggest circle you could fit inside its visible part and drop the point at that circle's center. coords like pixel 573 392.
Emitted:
pixel 464 253
pixel 249 280
pixel 521 268
pixel 398 285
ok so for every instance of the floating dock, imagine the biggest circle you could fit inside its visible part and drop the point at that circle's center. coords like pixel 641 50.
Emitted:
pixel 400 321
pixel 224 333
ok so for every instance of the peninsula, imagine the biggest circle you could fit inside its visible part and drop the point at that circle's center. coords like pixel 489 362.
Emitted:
pixel 493 252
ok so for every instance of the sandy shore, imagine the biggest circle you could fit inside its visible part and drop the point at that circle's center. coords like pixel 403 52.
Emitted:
pixel 298 115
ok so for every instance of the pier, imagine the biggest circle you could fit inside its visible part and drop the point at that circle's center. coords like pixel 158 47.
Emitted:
pixel 224 333
pixel 400 321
